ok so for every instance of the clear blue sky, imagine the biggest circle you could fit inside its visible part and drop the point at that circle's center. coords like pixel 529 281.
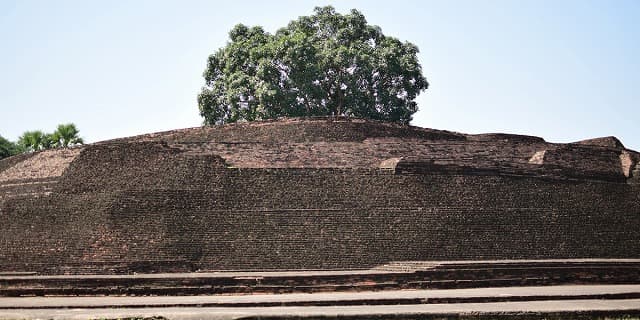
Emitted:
pixel 563 70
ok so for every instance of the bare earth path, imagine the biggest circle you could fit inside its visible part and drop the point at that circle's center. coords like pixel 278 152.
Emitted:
pixel 531 293
pixel 331 311
pixel 548 299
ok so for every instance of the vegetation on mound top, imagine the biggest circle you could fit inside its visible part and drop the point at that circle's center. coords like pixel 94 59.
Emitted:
pixel 323 64
pixel 65 135
pixel 8 148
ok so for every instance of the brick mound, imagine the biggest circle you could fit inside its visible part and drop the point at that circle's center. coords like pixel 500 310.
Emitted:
pixel 611 142
pixel 319 194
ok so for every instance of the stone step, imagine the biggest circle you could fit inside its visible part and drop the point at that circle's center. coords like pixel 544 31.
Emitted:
pixel 389 297
pixel 441 275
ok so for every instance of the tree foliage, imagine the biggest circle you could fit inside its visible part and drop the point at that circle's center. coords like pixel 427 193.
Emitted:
pixel 323 64
pixel 7 148
pixel 66 135
pixel 35 140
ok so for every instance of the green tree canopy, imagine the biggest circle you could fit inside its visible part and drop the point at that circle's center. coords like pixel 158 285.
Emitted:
pixel 7 148
pixel 324 64
pixel 35 140
pixel 67 135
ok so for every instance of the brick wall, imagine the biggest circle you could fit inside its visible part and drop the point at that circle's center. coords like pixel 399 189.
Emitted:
pixel 156 207
pixel 167 202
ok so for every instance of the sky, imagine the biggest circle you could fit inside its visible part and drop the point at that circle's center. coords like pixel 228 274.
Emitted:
pixel 562 70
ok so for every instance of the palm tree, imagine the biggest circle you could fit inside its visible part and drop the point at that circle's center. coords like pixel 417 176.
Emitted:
pixel 34 140
pixel 50 141
pixel 66 135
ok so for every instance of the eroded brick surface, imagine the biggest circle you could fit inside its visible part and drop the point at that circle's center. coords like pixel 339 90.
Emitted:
pixel 42 165
pixel 316 194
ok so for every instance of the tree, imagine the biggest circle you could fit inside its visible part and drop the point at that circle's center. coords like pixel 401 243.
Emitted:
pixel 66 135
pixel 35 140
pixel 7 148
pixel 324 64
